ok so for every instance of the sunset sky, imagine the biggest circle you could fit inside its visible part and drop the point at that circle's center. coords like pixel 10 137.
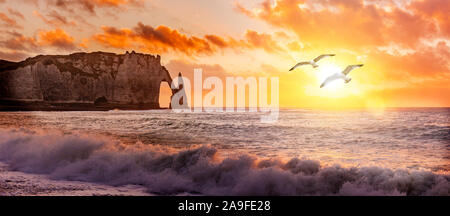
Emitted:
pixel 403 44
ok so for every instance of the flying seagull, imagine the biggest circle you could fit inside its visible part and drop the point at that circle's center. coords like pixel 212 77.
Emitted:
pixel 341 75
pixel 312 62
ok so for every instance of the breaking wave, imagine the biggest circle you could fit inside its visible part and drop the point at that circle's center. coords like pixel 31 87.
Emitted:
pixel 200 170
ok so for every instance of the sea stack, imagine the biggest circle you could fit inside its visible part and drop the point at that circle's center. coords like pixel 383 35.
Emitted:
pixel 181 103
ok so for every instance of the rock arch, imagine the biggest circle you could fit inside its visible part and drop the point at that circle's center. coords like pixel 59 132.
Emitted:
pixel 84 81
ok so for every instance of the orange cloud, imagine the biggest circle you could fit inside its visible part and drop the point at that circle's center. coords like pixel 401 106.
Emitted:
pixel 162 39
pixel 57 38
pixel 85 43
pixel 430 62
pixel 9 22
pixel 365 27
pixel 437 10
pixel 264 41
pixel 114 3
pixel 218 41
pixel 351 23
pixel 117 38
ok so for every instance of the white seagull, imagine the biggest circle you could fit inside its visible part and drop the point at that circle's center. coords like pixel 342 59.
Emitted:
pixel 341 75
pixel 312 62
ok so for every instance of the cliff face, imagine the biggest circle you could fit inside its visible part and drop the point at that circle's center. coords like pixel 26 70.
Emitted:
pixel 83 81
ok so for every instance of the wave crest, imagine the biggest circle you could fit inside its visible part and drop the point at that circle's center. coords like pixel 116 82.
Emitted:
pixel 200 170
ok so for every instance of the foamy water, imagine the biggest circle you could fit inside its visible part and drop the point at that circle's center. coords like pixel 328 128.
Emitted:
pixel 402 151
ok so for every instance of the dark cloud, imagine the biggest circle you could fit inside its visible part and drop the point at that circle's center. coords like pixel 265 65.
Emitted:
pixel 16 13
pixel 92 6
pixel 9 22
pixel 19 42
pixel 56 19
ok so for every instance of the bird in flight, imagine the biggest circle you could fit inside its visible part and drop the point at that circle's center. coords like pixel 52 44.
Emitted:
pixel 341 75
pixel 312 62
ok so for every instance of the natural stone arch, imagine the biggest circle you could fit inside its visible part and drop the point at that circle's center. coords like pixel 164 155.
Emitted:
pixel 167 80
pixel 84 81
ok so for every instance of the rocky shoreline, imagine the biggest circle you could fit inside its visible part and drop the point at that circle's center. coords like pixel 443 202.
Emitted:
pixel 12 105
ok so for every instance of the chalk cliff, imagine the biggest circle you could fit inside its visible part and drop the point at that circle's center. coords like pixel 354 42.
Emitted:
pixel 82 81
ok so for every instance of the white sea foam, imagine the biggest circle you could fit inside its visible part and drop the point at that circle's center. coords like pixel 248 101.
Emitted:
pixel 200 170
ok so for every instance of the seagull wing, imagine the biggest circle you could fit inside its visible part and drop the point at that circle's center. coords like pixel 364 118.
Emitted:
pixel 323 56
pixel 331 79
pixel 299 64
pixel 350 68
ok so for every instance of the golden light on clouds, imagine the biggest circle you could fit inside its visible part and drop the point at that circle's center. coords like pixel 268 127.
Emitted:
pixel 404 45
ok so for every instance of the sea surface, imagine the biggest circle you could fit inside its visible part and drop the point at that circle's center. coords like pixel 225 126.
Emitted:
pixel 390 151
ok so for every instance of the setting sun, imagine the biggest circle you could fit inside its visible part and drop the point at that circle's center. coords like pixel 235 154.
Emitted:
pixel 335 89
pixel 327 70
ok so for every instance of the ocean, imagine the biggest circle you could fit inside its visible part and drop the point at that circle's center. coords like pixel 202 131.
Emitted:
pixel 306 152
